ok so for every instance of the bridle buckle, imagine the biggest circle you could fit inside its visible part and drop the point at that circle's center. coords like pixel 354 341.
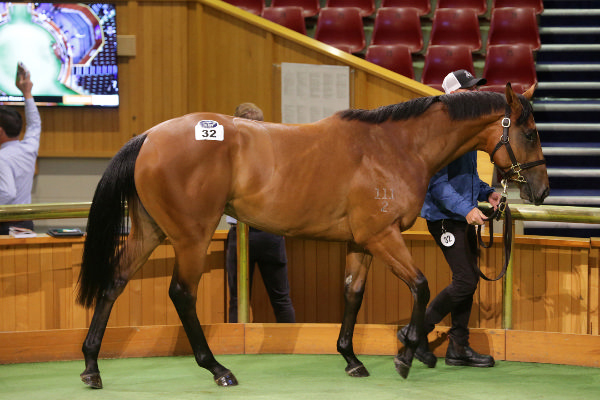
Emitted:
pixel 506 122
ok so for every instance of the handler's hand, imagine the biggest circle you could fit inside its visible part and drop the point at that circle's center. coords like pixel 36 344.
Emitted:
pixel 476 217
pixel 23 81
pixel 494 199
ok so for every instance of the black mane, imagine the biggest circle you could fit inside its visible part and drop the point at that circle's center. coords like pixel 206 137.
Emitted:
pixel 465 105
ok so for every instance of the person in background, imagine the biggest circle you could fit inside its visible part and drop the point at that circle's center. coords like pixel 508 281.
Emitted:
pixel 18 157
pixel 451 212
pixel 265 249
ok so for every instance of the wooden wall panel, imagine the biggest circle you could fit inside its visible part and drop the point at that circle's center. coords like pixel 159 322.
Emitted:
pixel 555 286
pixel 199 55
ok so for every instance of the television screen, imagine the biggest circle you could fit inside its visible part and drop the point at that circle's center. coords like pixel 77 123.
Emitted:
pixel 69 48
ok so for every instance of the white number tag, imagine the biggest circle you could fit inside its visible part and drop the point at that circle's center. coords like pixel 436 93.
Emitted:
pixel 209 130
pixel 447 239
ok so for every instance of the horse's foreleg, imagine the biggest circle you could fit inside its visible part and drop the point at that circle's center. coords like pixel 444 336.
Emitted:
pixel 357 266
pixel 390 247
pixel 183 289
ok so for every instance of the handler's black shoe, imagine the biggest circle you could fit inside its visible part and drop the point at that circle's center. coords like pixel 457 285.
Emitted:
pixel 457 355
pixel 422 353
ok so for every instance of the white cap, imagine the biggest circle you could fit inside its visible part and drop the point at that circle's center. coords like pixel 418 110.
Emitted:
pixel 460 79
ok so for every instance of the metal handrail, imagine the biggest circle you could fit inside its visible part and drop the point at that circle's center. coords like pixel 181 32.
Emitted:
pixel 526 212
pixel 22 212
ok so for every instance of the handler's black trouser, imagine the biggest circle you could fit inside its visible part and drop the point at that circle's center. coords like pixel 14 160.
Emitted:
pixel 457 297
pixel 268 251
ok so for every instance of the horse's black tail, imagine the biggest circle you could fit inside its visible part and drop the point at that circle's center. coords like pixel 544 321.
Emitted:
pixel 106 222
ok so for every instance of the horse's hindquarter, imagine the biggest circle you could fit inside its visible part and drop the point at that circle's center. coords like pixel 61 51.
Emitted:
pixel 182 180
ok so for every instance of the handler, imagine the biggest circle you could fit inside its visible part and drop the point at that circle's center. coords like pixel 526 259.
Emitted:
pixel 451 212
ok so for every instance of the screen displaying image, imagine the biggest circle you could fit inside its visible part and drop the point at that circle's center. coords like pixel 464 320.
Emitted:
pixel 69 48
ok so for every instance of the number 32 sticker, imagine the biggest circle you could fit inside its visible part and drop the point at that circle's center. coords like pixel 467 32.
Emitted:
pixel 209 130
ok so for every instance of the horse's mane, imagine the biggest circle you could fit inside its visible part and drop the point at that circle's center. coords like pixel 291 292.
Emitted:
pixel 460 106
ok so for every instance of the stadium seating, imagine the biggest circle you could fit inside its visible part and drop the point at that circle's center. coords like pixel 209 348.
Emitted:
pixel 454 26
pixel 395 57
pixel 398 26
pixel 310 8
pixel 290 17
pixel 341 27
pixel 479 6
pixel 509 63
pixel 422 6
pixel 441 60
pixel 538 5
pixel 366 7
pixel 512 25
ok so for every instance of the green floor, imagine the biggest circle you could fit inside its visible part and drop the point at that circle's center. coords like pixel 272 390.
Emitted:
pixel 303 377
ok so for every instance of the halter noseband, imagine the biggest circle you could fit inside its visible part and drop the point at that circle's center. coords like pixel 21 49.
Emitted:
pixel 514 173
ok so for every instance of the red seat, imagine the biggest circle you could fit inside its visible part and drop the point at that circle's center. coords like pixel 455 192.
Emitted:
pixel 509 63
pixel 514 25
pixel 310 8
pixel 398 26
pixel 341 27
pixel 290 17
pixel 441 60
pixel 395 57
pixel 252 6
pixel 480 6
pixel 423 6
pixel 538 5
pixel 454 26
pixel 366 7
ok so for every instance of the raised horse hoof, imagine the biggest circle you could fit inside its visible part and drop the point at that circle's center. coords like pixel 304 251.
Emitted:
pixel 92 380
pixel 228 379
pixel 357 372
pixel 402 367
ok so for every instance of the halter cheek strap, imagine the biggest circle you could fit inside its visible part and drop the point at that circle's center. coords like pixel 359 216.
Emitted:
pixel 514 173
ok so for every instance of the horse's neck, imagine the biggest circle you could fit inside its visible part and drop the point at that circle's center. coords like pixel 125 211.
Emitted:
pixel 448 141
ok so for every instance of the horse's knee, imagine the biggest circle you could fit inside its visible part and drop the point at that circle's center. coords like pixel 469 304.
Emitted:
pixel 421 289
pixel 180 296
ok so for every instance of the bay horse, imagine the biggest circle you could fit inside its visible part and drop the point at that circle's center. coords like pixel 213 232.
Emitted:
pixel 359 176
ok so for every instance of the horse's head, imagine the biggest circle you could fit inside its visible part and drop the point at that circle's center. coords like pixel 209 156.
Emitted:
pixel 518 154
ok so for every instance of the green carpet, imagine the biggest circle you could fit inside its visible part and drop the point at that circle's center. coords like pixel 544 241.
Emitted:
pixel 303 377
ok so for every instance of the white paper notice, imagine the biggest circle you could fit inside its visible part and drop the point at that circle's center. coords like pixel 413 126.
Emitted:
pixel 312 92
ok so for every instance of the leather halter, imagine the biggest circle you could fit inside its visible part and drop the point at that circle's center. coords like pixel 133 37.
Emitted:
pixel 514 173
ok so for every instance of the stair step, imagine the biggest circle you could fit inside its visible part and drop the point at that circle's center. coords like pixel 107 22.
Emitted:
pixel 571 151
pixel 568 12
pixel 573 30
pixel 569 85
pixel 540 67
pixel 588 201
pixel 574 172
pixel 570 47
pixel 589 127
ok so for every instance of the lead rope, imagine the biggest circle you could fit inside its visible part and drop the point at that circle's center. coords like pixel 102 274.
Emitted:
pixel 507 232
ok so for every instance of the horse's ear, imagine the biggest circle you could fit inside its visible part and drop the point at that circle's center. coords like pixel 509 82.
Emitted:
pixel 529 92
pixel 513 101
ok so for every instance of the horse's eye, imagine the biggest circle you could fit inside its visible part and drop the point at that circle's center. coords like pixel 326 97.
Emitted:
pixel 530 135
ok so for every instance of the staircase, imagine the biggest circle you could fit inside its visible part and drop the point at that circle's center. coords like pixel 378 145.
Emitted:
pixel 567 110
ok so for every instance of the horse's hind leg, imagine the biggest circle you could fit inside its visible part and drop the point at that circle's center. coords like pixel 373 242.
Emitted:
pixel 357 266
pixel 389 246
pixel 142 240
pixel 183 292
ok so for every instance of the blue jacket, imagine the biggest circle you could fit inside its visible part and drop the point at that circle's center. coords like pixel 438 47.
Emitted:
pixel 455 190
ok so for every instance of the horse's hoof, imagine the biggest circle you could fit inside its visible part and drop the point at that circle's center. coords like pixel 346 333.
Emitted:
pixel 357 372
pixel 228 379
pixel 402 367
pixel 93 380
